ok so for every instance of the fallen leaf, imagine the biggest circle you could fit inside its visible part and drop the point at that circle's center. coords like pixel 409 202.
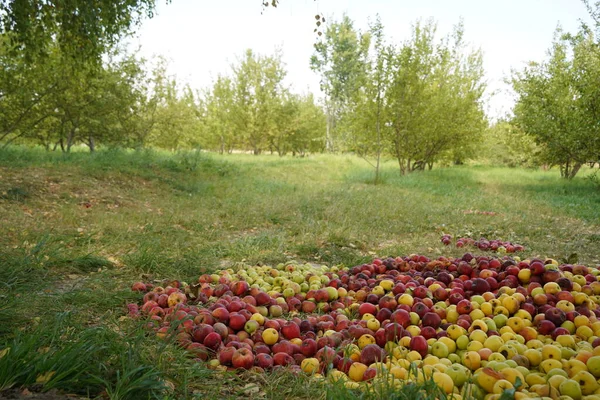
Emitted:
pixel 45 378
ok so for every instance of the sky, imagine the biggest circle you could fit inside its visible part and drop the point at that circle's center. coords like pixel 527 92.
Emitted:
pixel 201 39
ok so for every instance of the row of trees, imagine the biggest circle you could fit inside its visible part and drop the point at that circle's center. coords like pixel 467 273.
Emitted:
pixel 62 82
pixel 252 109
pixel 59 101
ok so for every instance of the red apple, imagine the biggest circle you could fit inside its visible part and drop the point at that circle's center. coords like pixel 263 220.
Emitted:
pixel 290 330
pixel 401 317
pixel 242 358
pixel 283 359
pixel 237 321
pixel 225 355
pixel 240 288
pixel 372 353
pixel 365 308
pixel 212 340
pixel 283 346
pixel 264 360
pixel 309 347
pixel 419 344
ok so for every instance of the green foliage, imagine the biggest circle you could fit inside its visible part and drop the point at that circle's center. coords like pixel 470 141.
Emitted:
pixel 258 94
pixel 420 101
pixel 62 102
pixel 340 61
pixel 558 102
pixel 172 114
pixel 84 29
pixel 368 117
pixel 594 178
pixel 436 99
pixel 253 110
pixel 159 215
pixel 506 144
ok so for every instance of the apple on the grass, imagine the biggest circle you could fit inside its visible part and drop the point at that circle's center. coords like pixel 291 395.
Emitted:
pixel 225 355
pixel 242 358
pixel 212 340
pixel 264 360
pixel 290 330
pixel 469 312
pixel 283 359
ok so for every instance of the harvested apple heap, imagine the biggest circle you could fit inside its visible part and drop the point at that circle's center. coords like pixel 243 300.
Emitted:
pixel 477 326
pixel 484 244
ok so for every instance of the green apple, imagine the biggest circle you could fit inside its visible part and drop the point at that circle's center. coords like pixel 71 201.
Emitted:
pixel 332 292
pixel 458 373
pixel 570 388
pixel 455 358
pixel 440 350
pixel 586 381
pixel 500 320
pixel 593 366
pixel 462 342
pixel 567 353
pixel 490 324
pixel 414 318
pixel 500 365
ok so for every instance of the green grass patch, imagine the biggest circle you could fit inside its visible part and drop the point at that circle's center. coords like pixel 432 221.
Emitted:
pixel 79 228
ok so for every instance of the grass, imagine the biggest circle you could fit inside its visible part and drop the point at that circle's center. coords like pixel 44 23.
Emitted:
pixel 78 229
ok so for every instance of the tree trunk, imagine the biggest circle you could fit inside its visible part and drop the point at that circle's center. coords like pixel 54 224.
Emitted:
pixel 378 130
pixel 328 141
pixel 91 143
pixel 399 158
pixel 574 170
pixel 70 139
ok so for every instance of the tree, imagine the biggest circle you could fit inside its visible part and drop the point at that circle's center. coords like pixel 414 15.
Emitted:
pixel 258 92
pixel 24 89
pixel 302 125
pixel 559 102
pixel 61 101
pixel 367 117
pixel 83 29
pixel 340 60
pixel 219 112
pixel 506 144
pixel 434 98
pixel 177 122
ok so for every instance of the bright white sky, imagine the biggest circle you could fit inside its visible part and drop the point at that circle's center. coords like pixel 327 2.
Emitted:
pixel 203 38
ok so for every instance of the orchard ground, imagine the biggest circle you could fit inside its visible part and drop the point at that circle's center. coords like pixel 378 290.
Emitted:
pixel 79 229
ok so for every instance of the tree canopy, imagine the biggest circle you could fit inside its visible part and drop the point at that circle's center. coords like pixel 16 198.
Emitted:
pixel 82 28
pixel 558 101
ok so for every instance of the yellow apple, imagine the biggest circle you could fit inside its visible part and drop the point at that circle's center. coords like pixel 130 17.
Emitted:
pixel 487 378
pixel 471 360
pixel 357 371
pixel 270 336
pixel 551 352
pixel 587 382
pixel 310 365
pixel 365 340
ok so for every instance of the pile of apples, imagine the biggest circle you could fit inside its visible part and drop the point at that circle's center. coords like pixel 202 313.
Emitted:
pixel 478 326
pixel 494 245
